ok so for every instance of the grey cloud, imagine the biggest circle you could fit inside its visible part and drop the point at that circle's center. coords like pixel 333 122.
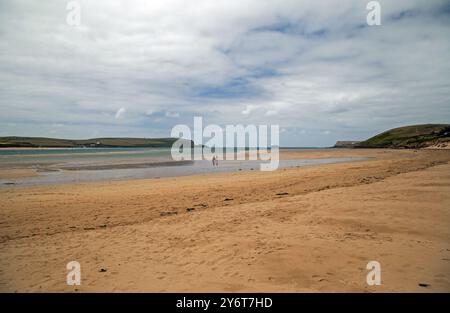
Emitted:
pixel 313 65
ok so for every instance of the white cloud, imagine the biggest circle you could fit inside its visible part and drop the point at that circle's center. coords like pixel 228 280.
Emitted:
pixel 248 109
pixel 120 113
pixel 271 112
pixel 172 114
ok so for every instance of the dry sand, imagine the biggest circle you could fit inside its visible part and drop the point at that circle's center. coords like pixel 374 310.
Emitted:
pixel 298 229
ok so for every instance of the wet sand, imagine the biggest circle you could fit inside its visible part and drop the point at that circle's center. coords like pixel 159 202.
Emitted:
pixel 17 173
pixel 48 169
pixel 297 229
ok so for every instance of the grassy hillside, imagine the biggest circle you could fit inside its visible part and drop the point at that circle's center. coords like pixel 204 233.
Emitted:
pixel 416 136
pixel 42 142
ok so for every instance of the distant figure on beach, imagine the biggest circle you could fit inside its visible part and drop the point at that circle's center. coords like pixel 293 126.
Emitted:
pixel 215 161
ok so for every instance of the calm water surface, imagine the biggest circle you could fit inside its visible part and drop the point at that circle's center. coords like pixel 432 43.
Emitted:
pixel 94 164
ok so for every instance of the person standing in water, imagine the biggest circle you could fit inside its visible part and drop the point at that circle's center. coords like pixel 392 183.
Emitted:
pixel 214 160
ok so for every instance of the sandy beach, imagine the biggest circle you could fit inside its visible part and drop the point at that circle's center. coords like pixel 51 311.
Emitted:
pixel 298 229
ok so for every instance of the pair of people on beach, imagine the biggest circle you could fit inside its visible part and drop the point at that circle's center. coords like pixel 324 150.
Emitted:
pixel 215 161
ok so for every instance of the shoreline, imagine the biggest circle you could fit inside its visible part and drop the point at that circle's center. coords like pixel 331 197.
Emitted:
pixel 125 165
pixel 142 171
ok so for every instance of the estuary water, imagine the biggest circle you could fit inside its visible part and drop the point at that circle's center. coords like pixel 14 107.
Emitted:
pixel 69 165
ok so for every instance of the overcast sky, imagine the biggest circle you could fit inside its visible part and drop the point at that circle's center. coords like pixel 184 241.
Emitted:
pixel 137 68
